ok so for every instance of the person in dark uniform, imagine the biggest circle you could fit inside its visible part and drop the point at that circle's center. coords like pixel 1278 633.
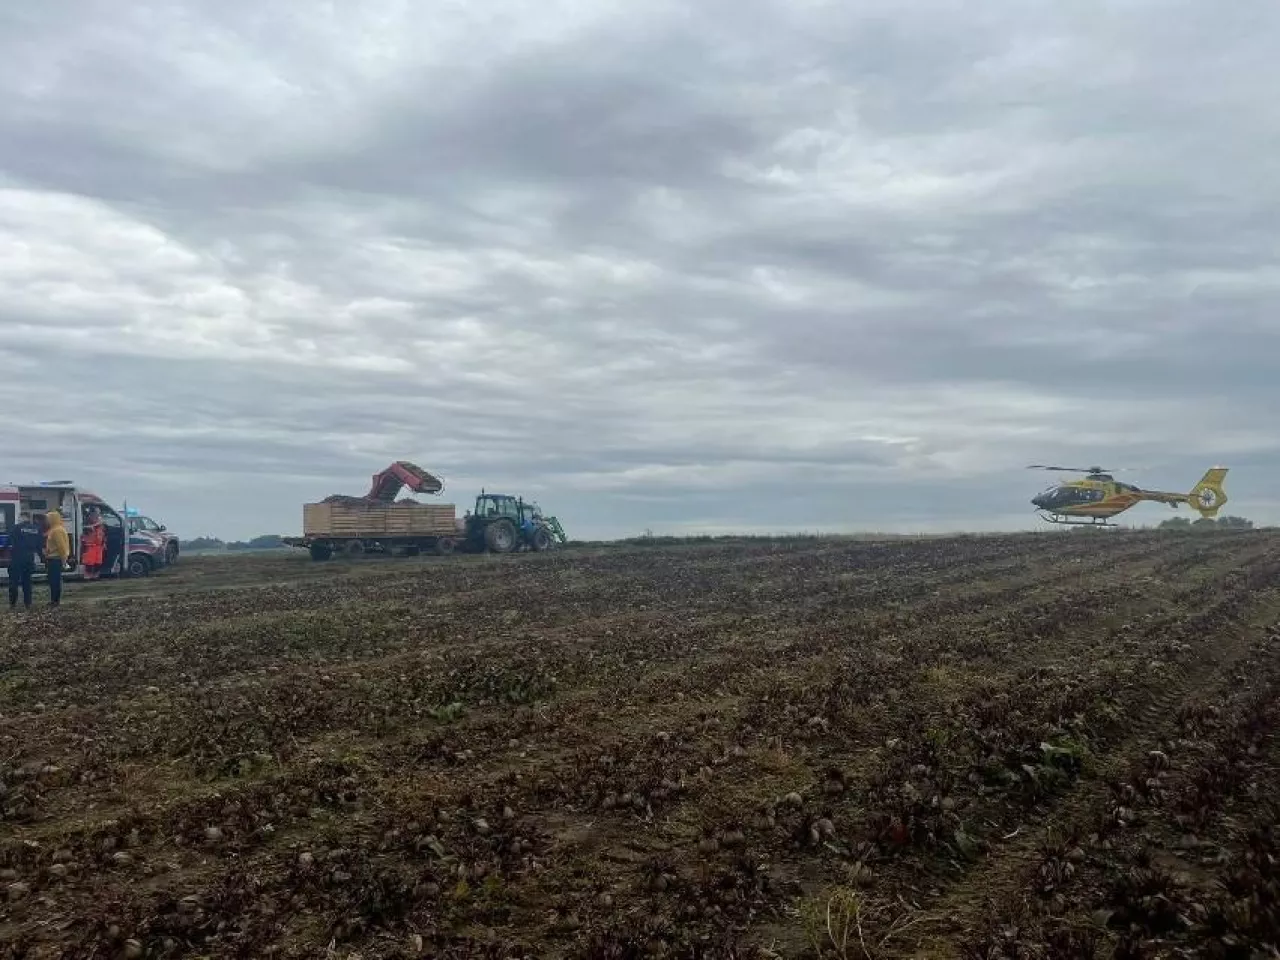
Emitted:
pixel 26 544
pixel 113 549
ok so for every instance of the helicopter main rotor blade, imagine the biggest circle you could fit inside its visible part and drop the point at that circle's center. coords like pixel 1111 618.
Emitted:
pixel 1042 466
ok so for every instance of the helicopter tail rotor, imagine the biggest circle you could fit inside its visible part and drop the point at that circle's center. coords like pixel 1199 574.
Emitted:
pixel 1208 496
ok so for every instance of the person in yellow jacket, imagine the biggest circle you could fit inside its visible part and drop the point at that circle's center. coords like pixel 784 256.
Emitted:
pixel 57 548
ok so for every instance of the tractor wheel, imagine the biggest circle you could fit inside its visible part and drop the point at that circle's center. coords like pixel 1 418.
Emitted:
pixel 541 539
pixel 500 537
pixel 444 546
pixel 321 552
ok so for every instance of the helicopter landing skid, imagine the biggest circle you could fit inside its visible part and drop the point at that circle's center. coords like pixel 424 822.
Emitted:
pixel 1075 521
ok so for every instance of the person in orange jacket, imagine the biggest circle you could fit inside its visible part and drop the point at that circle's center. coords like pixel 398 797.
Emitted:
pixel 57 548
pixel 93 544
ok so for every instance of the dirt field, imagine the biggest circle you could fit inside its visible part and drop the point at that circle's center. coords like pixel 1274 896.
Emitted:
pixel 990 747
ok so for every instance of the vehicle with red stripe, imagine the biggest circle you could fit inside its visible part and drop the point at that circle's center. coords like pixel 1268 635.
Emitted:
pixel 145 552
pixel 139 523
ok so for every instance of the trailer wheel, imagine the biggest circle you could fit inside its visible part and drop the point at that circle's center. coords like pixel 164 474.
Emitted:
pixel 444 546
pixel 321 552
pixel 355 549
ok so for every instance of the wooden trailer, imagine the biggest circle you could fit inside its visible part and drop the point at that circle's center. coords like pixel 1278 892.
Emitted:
pixel 357 526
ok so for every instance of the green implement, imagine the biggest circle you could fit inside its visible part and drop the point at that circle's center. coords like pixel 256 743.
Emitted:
pixel 553 525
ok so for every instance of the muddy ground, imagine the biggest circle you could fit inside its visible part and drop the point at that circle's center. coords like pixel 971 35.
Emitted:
pixel 1030 746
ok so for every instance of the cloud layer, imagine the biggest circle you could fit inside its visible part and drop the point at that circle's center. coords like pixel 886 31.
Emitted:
pixel 753 266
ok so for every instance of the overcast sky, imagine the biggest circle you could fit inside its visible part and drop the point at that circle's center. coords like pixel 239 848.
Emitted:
pixel 711 266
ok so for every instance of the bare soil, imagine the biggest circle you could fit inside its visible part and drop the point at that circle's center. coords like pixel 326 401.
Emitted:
pixel 1028 746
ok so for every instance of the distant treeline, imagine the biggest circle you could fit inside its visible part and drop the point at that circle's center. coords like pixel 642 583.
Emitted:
pixel 214 545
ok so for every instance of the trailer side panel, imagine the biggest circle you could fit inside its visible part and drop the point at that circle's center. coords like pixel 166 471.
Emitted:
pixel 375 520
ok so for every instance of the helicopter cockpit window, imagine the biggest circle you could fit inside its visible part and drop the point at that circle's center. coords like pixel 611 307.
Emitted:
pixel 1067 496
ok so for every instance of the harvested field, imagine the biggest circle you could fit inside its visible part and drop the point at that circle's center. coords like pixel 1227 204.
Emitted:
pixel 1031 746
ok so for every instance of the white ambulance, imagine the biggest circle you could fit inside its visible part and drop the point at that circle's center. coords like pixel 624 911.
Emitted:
pixel 145 554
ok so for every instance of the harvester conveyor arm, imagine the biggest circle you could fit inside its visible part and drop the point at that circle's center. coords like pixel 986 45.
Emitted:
pixel 388 483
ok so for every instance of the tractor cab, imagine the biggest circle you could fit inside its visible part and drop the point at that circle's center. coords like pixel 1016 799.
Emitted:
pixel 500 505
pixel 522 512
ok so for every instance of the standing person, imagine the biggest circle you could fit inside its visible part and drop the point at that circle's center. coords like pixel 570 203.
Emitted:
pixel 114 548
pixel 57 547
pixel 93 544
pixel 26 543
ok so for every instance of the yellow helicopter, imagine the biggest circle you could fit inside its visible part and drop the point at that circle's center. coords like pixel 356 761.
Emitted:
pixel 1098 496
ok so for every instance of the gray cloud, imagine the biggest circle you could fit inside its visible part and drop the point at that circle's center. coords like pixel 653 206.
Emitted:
pixel 765 266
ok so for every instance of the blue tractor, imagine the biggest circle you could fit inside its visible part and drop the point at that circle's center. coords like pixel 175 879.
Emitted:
pixel 502 523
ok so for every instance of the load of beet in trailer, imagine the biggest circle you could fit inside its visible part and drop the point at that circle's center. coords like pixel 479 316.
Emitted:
pixel 378 523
